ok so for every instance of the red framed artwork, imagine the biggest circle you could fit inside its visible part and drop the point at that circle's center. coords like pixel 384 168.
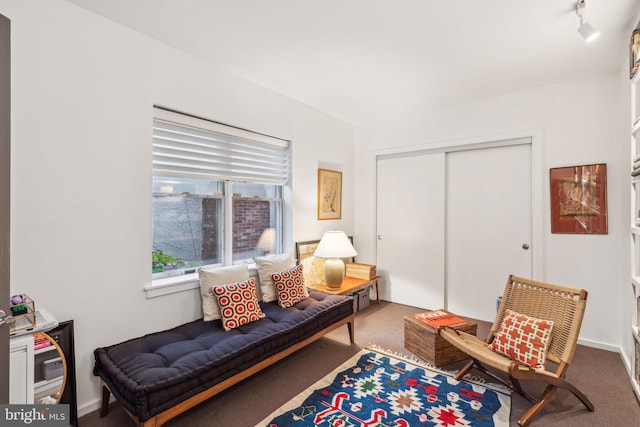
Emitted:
pixel 579 199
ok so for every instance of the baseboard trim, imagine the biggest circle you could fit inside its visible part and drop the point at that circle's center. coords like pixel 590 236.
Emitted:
pixel 600 345
pixel 626 362
pixel 91 406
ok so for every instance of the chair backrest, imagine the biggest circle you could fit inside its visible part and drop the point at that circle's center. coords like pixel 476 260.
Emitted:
pixel 565 306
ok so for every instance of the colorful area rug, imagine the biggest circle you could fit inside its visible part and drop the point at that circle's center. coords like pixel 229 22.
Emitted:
pixel 379 389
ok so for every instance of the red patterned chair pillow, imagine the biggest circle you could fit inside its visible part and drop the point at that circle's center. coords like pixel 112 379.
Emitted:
pixel 290 286
pixel 523 338
pixel 238 303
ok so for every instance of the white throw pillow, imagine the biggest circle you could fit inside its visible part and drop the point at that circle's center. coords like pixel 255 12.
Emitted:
pixel 267 265
pixel 215 277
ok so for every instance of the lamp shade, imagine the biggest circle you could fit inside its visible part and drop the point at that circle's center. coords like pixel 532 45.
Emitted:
pixel 335 244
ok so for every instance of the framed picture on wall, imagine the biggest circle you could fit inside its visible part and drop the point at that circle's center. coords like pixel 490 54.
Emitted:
pixel 634 52
pixel 579 199
pixel 329 194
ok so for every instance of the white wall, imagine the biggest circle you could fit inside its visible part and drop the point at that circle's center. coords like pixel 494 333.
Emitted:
pixel 83 89
pixel 580 124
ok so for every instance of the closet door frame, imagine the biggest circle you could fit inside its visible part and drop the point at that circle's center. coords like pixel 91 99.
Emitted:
pixel 538 180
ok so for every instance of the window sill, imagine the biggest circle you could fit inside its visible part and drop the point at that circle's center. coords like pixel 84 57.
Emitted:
pixel 171 285
pixel 185 282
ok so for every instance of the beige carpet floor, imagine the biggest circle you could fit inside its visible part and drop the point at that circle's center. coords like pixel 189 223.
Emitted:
pixel 598 373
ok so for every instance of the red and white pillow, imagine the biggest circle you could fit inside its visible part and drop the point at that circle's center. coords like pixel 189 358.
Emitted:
pixel 290 286
pixel 238 303
pixel 523 338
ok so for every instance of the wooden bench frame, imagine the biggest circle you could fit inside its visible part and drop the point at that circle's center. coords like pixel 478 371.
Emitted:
pixel 189 403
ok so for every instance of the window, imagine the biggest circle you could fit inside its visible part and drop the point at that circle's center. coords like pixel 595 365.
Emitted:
pixel 217 194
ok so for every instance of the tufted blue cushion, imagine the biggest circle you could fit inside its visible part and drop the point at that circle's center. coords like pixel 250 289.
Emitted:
pixel 150 374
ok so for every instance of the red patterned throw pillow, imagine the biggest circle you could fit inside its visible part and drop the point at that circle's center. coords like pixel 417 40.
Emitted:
pixel 523 338
pixel 238 303
pixel 290 286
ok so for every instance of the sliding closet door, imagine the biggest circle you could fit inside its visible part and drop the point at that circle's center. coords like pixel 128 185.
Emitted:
pixel 410 232
pixel 488 225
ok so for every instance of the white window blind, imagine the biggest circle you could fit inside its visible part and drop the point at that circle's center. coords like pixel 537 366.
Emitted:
pixel 191 147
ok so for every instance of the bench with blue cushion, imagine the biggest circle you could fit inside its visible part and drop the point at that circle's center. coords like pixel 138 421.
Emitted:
pixel 160 375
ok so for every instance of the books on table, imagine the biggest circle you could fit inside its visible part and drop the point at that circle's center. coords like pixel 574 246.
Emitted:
pixel 360 271
pixel 40 341
pixel 437 318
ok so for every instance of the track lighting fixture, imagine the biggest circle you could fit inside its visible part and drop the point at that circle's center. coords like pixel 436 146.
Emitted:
pixel 585 29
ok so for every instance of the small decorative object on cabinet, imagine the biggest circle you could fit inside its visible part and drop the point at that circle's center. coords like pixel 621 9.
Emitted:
pixel 23 310
pixel 634 57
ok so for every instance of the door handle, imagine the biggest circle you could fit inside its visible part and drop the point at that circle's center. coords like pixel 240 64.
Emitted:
pixel 525 246
pixel 379 236
pixel 4 318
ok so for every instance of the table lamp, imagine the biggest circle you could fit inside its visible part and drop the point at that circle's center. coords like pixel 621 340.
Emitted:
pixel 333 246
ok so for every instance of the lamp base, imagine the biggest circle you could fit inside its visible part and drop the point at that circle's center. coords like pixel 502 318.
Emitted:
pixel 333 273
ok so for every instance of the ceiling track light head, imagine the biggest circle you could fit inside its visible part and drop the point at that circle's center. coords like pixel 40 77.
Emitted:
pixel 585 29
pixel 588 32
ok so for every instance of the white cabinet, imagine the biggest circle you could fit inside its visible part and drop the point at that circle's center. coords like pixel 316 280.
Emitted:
pixel 21 369
pixel 37 367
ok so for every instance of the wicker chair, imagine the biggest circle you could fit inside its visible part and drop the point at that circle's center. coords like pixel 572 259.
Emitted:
pixel 565 306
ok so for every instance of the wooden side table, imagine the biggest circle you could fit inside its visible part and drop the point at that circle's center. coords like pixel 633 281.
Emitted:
pixel 351 285
pixel 424 341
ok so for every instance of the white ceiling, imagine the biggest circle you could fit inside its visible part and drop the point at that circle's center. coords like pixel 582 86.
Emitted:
pixel 364 60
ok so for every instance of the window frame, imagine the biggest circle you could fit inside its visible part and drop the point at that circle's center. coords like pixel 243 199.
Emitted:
pixel 181 272
pixel 187 281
